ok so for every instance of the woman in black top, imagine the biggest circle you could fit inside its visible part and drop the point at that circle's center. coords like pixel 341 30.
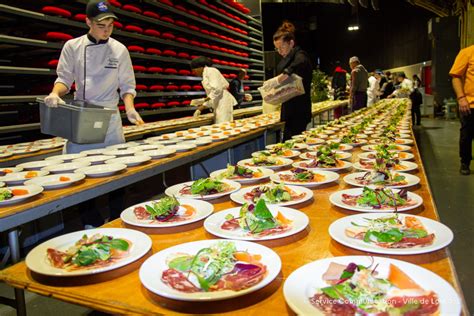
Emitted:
pixel 296 112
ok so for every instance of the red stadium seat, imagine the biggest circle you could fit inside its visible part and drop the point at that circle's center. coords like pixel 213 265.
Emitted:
pixel 131 8
pixel 56 11
pixel 171 71
pixel 154 51
pixel 169 52
pixel 158 105
pixel 79 17
pixel 173 103
pixel 171 87
pixel 141 87
pixel 168 35
pixel 183 55
pixel 151 32
pixel 155 69
pixel 184 72
pixel 151 14
pixel 135 49
pixel 139 68
pixel 58 36
pixel 133 28
pixel 157 87
pixel 184 87
pixel 53 63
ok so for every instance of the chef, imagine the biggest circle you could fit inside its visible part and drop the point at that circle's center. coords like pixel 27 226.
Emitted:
pixel 99 66
pixel 218 99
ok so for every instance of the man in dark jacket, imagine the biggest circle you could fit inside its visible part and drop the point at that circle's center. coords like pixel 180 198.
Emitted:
pixel 236 87
pixel 359 84
pixel 416 100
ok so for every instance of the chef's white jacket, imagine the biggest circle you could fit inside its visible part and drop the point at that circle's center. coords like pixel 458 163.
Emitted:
pixel 99 71
pixel 221 101
pixel 372 91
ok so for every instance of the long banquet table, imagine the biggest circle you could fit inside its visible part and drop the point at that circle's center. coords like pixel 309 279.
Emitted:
pixel 121 291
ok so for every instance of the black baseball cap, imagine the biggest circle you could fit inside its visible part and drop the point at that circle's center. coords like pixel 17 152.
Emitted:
pixel 99 10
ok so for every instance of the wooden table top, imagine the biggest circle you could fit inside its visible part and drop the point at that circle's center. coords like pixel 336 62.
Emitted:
pixel 123 292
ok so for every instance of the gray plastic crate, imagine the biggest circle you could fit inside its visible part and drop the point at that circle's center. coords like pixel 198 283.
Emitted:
pixel 79 122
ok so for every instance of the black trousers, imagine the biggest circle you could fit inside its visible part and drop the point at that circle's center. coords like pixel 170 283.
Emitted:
pixel 415 114
pixel 466 137
pixel 359 100
pixel 293 127
pixel 89 210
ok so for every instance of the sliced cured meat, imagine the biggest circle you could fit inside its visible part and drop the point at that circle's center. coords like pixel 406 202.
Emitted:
pixel 141 213
pixel 408 242
pixel 56 257
pixel 178 281
pixel 330 306
pixel 242 277
pixel 232 224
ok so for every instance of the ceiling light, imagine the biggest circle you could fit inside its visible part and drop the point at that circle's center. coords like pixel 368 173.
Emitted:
pixel 353 28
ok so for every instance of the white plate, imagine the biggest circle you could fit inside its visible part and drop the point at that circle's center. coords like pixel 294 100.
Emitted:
pixel 119 152
pixel 122 146
pixel 265 174
pixel 2 184
pixel 66 157
pixel 297 146
pixel 158 153
pixel 53 181
pixel 203 141
pixel 130 161
pixel 37 261
pixel 411 180
pixel 102 170
pixel 340 155
pixel 182 147
pixel 218 137
pixel 5 154
pixel 443 235
pixel 303 282
pixel 238 197
pixel 174 191
pixel 345 165
pixel 32 189
pixel 19 177
pixel 401 155
pixel 93 152
pixel 294 154
pixel 214 222
pixel 147 147
pixel 21 151
pixel 153 267
pixel 402 141
pixel 37 165
pixel 398 148
pixel 66 167
pixel 336 199
pixel 407 166
pixel 248 163
pixel 330 176
pixel 203 210
pixel 11 170
pixel 95 160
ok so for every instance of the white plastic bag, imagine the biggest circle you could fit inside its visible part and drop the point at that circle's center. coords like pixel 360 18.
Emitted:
pixel 288 89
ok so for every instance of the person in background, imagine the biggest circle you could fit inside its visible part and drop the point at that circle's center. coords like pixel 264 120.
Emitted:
pixel 405 87
pixel 296 112
pixel 416 101
pixel 462 73
pixel 218 99
pixel 99 66
pixel 236 88
pixel 416 81
pixel 359 83
pixel 373 91
pixel 339 82
pixel 387 87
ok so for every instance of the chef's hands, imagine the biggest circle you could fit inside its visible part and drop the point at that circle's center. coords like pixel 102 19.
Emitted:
pixel 197 113
pixel 275 81
pixel 134 118
pixel 248 97
pixel 464 107
pixel 52 100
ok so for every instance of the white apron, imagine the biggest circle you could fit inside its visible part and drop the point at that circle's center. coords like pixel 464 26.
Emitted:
pixel 221 100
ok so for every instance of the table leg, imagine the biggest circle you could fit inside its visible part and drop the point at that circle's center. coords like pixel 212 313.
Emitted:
pixel 14 244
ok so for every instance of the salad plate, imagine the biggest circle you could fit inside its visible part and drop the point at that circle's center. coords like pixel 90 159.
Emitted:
pixel 277 194
pixel 369 165
pixel 376 200
pixel 305 178
pixel 56 181
pixel 403 141
pixel 158 153
pixel 242 174
pixel 285 153
pixel 10 195
pixel 400 155
pixel 66 157
pixel 266 162
pixel 22 176
pixel 66 167
pixel 303 288
pixel 313 165
pixel 37 165
pixel 166 212
pixel 386 179
pixel 96 159
pixel 104 170
pixel 313 155
pixel 391 147
pixel 393 234
pixel 256 222
pixel 288 145
pixel 203 189
pixel 240 267
pixel 120 246
pixel 341 147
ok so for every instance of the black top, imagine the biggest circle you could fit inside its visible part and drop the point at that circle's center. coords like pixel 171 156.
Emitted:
pixel 236 89
pixel 299 107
